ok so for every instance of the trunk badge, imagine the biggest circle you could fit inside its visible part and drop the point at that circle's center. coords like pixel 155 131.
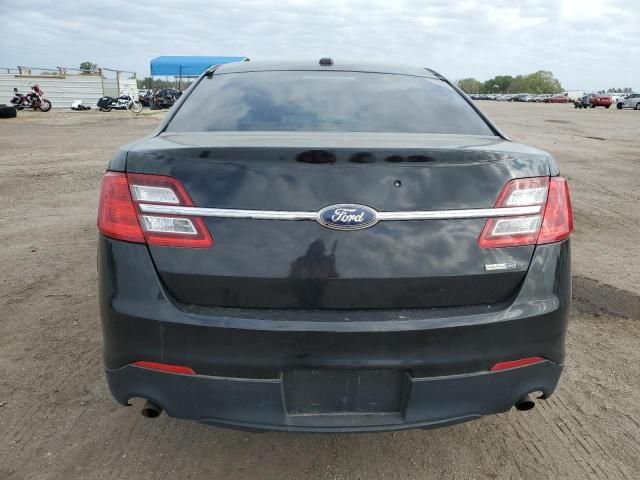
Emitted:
pixel 347 216
pixel 492 267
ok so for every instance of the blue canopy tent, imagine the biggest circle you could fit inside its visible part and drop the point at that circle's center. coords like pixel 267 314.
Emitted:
pixel 180 66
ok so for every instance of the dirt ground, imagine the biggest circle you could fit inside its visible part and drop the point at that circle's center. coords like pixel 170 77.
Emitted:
pixel 58 420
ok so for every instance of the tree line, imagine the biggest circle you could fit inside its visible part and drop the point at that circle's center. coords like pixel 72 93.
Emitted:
pixel 538 82
pixel 158 83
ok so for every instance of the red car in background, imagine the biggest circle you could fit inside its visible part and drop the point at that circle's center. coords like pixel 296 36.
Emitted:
pixel 600 100
pixel 558 99
pixel 594 100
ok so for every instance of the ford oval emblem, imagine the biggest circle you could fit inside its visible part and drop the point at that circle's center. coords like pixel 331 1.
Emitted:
pixel 347 216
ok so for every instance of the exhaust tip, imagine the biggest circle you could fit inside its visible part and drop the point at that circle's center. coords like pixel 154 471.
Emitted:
pixel 151 410
pixel 525 404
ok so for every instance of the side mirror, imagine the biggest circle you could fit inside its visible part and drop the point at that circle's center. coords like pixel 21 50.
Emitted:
pixel 15 89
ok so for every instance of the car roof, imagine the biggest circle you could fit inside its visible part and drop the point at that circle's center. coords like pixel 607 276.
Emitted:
pixel 338 66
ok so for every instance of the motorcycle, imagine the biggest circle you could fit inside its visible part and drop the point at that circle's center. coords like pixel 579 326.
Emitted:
pixel 164 98
pixel 34 99
pixel 124 102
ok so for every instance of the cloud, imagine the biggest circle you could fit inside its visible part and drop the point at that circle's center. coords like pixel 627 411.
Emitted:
pixel 588 44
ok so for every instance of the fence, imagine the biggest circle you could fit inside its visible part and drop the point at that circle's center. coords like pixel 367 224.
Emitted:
pixel 62 87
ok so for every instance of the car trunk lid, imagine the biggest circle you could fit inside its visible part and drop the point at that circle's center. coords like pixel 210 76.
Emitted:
pixel 284 263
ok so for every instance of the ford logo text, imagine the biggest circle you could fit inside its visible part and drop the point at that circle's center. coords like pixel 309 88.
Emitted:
pixel 347 217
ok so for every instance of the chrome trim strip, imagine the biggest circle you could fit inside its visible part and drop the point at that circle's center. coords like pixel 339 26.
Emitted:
pixel 464 213
pixel 227 212
pixel 288 215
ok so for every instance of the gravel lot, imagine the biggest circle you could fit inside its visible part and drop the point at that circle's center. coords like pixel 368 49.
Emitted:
pixel 58 420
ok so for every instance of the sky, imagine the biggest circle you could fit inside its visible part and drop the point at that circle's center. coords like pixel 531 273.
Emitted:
pixel 587 44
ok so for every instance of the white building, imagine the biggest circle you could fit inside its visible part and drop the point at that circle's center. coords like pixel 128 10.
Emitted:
pixel 63 88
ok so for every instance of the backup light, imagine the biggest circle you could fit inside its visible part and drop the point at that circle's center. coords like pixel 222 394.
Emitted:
pixel 168 225
pixel 523 192
pixel 516 226
pixel 145 193
pixel 529 196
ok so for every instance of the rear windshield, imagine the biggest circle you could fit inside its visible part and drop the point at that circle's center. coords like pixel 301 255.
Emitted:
pixel 321 101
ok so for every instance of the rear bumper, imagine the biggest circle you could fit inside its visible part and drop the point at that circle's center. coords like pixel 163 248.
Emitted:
pixel 260 404
pixel 242 357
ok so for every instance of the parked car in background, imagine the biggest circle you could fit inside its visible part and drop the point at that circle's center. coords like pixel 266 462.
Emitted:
pixel 599 100
pixel 630 101
pixel 266 262
pixel 594 100
pixel 558 99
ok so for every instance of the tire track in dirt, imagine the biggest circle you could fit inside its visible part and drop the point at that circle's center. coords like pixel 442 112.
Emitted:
pixel 572 434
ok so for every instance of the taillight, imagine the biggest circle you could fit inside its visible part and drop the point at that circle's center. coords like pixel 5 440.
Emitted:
pixel 552 223
pixel 134 189
pixel 167 230
pixel 117 215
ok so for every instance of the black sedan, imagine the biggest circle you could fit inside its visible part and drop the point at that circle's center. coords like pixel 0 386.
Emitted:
pixel 332 247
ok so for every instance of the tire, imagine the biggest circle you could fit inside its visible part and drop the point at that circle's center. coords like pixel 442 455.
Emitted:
pixel 8 112
pixel 637 107
pixel 105 109
pixel 45 105
pixel 593 106
pixel 619 106
pixel 607 106
pixel 136 107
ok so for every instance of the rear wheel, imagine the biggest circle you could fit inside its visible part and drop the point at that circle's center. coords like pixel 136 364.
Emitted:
pixel 607 106
pixel 105 109
pixel 619 106
pixel 45 105
pixel 637 107
pixel 136 107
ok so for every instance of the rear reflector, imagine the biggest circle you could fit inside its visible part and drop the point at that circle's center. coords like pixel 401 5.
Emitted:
pixel 552 224
pixel 516 363
pixel 119 216
pixel 166 367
